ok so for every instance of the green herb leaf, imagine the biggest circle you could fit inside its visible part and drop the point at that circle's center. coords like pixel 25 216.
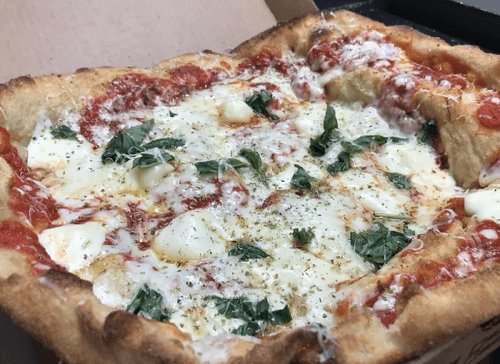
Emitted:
pixel 342 164
pixel 301 179
pixel 171 114
pixel 303 236
pixel 246 252
pixel 319 145
pixel 126 143
pixel 351 148
pixel 165 143
pixel 429 132
pixel 399 180
pixel 148 303
pixel 255 162
pixel 258 103
pixel 63 132
pixel 379 244
pixel 409 233
pixel 247 329
pixel 254 315
pixel 148 159
pixel 213 166
pixel 280 317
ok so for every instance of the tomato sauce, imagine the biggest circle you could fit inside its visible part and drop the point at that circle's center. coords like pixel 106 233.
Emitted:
pixel 137 91
pixel 488 113
pixel 262 61
pixel 27 198
pixel 14 235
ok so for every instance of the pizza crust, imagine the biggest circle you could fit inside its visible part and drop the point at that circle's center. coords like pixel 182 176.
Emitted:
pixel 82 330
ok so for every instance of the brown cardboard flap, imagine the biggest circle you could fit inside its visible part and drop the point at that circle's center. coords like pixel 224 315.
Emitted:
pixel 284 10
pixel 59 36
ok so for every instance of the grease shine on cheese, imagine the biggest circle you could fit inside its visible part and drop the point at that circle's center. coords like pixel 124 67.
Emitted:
pixel 201 238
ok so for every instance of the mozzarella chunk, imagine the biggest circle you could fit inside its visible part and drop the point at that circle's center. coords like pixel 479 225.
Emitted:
pixel 484 204
pixel 150 177
pixel 190 236
pixel 236 111
pixel 75 246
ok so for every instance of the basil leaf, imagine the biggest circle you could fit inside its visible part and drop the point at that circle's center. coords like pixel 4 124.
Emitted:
pixel 239 307
pixel 213 166
pixel 262 310
pixel 255 162
pixel 171 114
pixel 409 233
pixel 351 148
pixel 246 252
pixel 63 132
pixel 280 317
pixel 342 164
pixel 126 143
pixel 400 181
pixel 149 159
pixel 252 314
pixel 379 244
pixel 319 145
pixel 429 133
pixel 301 179
pixel 258 103
pixel 165 143
pixel 148 303
pixel 247 329
pixel 370 141
pixel 303 236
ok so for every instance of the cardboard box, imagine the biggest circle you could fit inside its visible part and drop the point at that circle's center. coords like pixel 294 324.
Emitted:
pixel 59 37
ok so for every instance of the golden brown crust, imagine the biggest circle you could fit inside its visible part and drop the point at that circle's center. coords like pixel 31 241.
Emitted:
pixel 82 330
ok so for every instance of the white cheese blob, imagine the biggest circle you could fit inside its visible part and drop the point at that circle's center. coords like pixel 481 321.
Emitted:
pixel 189 236
pixel 484 204
pixel 236 111
pixel 150 177
pixel 75 246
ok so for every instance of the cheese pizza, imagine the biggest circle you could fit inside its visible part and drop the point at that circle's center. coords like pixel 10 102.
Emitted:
pixel 325 193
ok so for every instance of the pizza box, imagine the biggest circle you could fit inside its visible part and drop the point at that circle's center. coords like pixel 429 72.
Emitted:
pixel 60 37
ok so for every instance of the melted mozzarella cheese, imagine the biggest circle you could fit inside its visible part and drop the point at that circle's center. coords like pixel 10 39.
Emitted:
pixel 484 204
pixel 75 246
pixel 190 236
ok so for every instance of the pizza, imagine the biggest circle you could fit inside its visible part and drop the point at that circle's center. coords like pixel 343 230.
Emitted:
pixel 327 192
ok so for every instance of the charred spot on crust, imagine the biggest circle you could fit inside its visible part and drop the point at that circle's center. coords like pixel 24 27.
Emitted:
pixel 17 82
pixel 319 34
pixel 84 69
pixel 66 280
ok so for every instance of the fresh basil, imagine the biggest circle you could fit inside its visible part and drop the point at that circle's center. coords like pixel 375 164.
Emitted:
pixel 303 236
pixel 379 244
pixel 342 164
pixel 214 165
pixel 280 317
pixel 171 114
pixel 148 303
pixel 429 133
pixel 255 315
pixel 372 141
pixel 126 143
pixel 319 145
pixel 148 159
pixel 258 102
pixel 255 162
pixel 246 252
pixel 399 180
pixel 301 179
pixel 63 132
pixel 165 143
